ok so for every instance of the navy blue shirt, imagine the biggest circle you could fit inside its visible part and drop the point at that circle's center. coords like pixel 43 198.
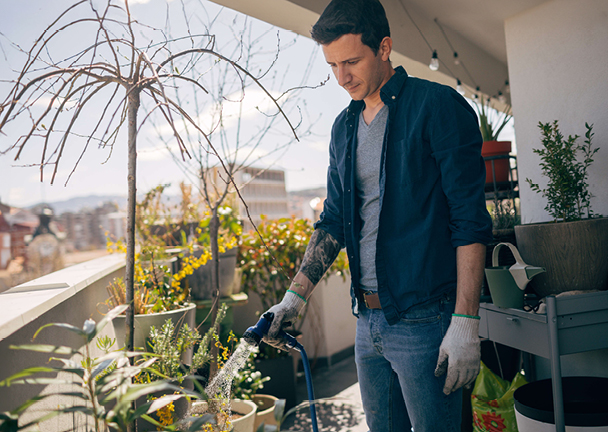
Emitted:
pixel 432 198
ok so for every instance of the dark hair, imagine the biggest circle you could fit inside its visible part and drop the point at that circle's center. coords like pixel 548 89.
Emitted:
pixel 364 17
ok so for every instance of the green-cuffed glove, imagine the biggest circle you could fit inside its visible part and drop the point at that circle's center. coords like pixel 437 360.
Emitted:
pixel 459 353
pixel 285 313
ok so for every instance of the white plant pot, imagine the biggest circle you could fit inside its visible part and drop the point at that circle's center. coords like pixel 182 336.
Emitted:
pixel 143 323
pixel 245 407
pixel 265 412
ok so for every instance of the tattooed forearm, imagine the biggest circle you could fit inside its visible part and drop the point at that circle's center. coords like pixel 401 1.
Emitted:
pixel 321 252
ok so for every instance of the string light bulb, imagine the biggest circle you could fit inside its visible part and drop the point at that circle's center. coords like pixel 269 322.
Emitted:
pixel 501 97
pixel 434 65
pixel 456 59
pixel 459 87
pixel 476 94
pixel 507 87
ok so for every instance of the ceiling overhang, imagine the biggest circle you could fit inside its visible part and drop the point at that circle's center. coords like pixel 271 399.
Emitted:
pixel 475 30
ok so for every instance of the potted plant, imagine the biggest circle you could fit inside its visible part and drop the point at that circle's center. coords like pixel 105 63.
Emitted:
pixel 572 247
pixel 157 297
pixel 491 124
pixel 168 346
pixel 102 384
pixel 269 258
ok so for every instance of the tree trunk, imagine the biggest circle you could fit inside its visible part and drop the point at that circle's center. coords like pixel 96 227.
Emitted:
pixel 133 106
pixel 214 227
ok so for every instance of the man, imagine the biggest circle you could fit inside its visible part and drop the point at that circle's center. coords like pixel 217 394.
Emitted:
pixel 405 196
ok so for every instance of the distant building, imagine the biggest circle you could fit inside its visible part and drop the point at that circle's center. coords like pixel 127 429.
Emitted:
pixel 5 242
pixel 262 189
pixel 86 229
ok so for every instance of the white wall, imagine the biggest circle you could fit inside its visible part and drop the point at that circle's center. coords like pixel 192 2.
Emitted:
pixel 558 67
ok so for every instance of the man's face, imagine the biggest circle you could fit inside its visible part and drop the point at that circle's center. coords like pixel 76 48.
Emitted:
pixel 357 69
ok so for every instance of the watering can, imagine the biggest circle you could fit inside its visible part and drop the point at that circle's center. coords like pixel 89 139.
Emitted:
pixel 507 284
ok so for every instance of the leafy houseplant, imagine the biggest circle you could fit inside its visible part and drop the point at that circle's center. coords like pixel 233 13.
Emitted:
pixel 491 123
pixel 573 247
pixel 101 386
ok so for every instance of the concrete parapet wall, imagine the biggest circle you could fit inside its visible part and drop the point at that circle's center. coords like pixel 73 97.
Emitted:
pixel 71 295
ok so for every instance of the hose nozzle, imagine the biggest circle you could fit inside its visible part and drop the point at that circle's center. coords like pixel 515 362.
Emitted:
pixel 254 334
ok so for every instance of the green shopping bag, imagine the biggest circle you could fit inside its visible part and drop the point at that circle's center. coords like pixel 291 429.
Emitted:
pixel 492 402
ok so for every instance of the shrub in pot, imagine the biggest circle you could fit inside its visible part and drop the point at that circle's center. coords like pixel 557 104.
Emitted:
pixel 572 248
pixel 269 259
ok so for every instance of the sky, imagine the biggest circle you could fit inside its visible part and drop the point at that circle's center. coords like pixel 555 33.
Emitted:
pixel 100 171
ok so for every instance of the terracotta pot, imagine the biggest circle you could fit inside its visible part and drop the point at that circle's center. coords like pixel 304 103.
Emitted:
pixel 501 166
pixel 573 253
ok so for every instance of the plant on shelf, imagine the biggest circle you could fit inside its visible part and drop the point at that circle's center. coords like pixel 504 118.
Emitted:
pixel 572 247
pixel 567 191
pixel 504 215
pixel 491 121
pixel 100 388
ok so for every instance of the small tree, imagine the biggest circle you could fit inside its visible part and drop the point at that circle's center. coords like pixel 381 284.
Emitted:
pixel 111 78
pixel 232 98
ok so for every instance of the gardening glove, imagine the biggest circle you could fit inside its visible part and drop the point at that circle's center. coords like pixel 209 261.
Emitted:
pixel 459 353
pixel 285 313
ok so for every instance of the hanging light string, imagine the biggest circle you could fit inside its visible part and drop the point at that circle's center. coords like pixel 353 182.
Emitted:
pixel 457 60
pixel 455 53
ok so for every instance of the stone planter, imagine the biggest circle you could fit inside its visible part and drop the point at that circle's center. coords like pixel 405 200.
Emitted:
pixel 200 282
pixel 573 253
pixel 143 323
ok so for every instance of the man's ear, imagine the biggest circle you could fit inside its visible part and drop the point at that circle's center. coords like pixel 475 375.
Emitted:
pixel 386 47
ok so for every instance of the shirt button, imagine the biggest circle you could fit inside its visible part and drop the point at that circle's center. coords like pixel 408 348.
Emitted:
pixel 393 97
pixel 348 190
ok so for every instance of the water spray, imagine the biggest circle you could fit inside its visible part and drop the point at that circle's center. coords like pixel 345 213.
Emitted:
pixel 253 336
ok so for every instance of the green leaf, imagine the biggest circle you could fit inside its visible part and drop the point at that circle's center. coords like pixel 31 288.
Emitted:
pixel 26 373
pixel 55 349
pixel 69 327
pixel 109 317
pixel 163 401
pixel 279 409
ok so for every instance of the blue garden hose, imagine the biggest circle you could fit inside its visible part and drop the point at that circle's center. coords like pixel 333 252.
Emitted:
pixel 254 335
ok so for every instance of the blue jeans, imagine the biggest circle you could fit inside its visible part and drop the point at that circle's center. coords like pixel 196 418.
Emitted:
pixel 396 365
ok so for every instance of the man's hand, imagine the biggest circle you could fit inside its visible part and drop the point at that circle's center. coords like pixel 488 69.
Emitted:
pixel 459 354
pixel 285 313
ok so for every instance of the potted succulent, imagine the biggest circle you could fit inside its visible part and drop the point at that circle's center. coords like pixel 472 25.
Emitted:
pixel 491 124
pixel 269 259
pixel 574 245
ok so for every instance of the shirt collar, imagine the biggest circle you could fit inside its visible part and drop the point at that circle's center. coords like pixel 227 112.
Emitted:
pixel 388 92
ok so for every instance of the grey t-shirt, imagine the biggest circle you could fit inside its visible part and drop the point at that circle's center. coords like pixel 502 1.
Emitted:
pixel 369 150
